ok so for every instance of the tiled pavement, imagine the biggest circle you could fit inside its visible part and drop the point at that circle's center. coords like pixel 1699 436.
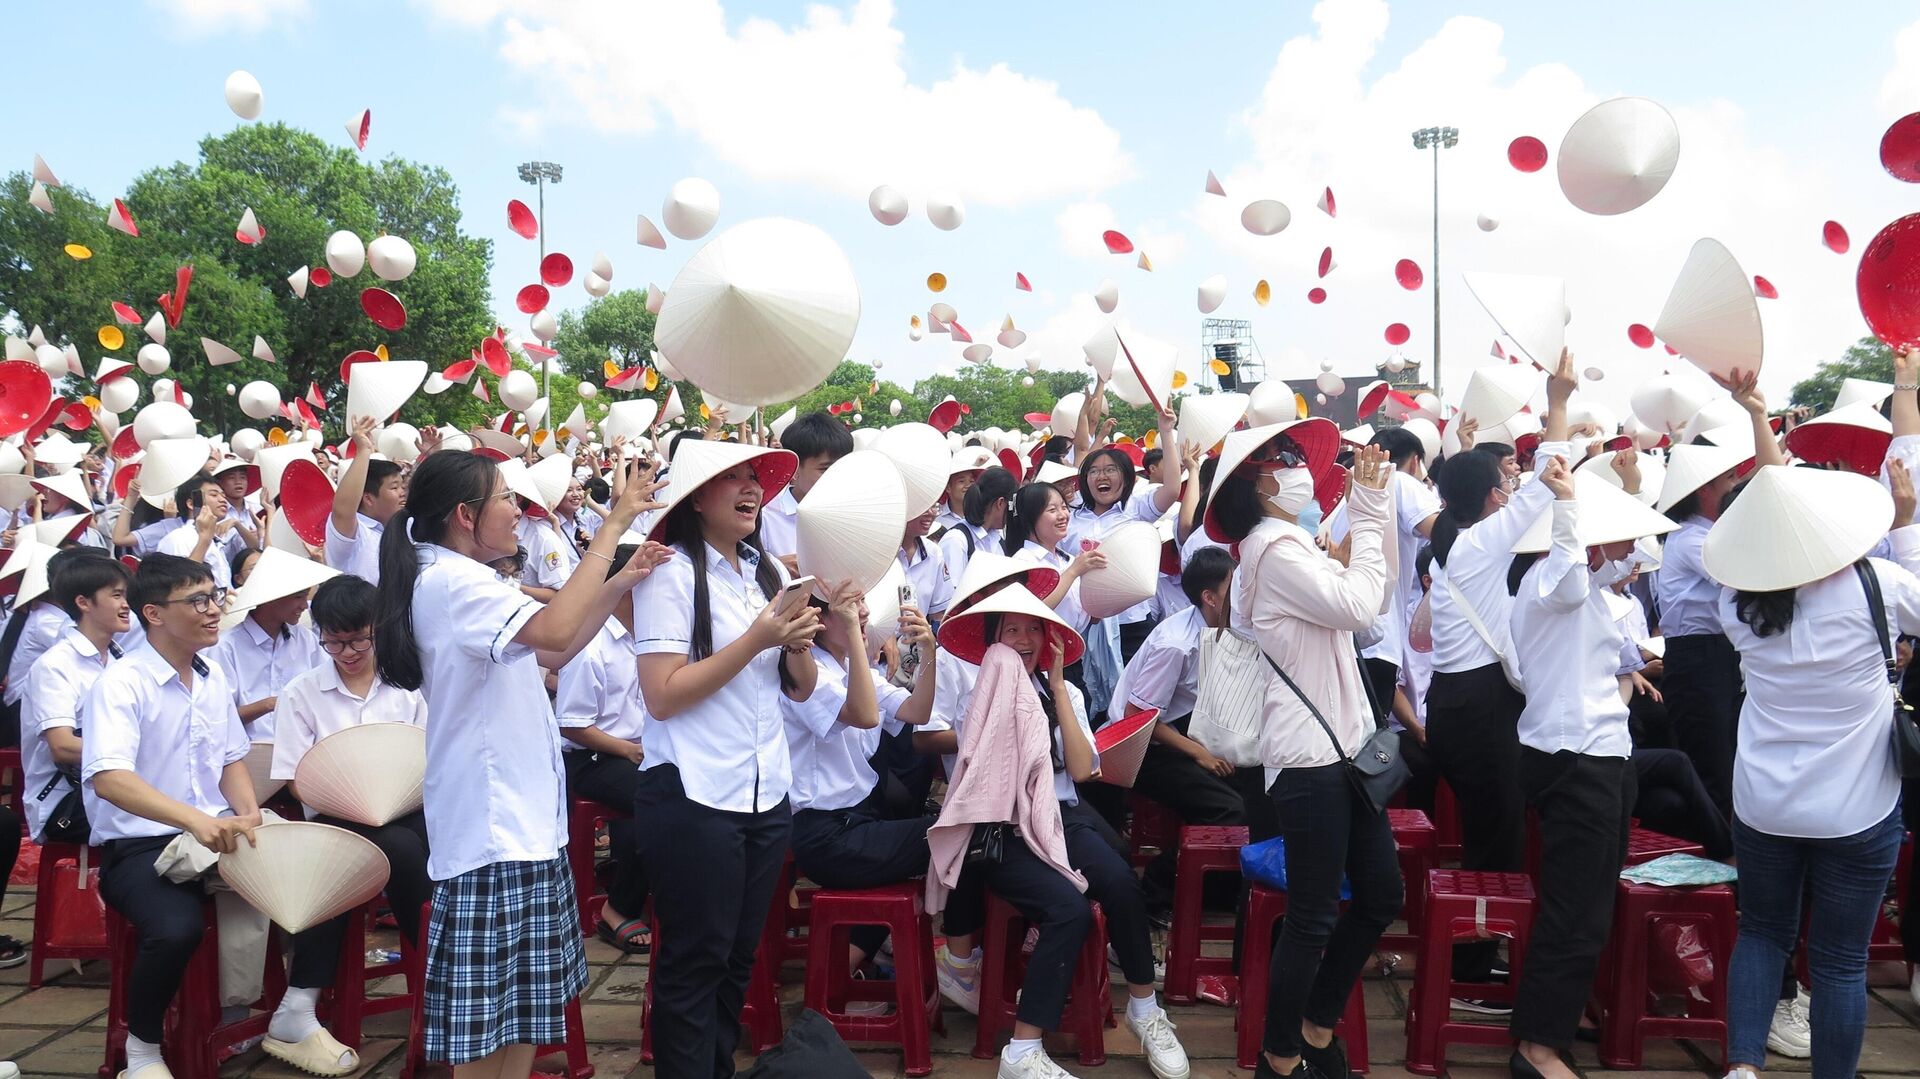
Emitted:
pixel 58 1030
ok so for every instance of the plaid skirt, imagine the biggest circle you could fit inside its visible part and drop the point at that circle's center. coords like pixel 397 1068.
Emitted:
pixel 503 959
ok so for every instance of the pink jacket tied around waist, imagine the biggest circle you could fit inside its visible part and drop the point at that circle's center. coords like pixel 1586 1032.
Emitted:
pixel 1004 772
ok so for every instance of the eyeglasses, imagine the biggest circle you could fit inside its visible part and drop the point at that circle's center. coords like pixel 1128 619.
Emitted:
pixel 1103 471
pixel 203 602
pixel 357 644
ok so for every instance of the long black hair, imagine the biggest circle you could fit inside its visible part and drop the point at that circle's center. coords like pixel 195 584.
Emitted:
pixel 993 485
pixel 1464 486
pixel 1121 461
pixel 1766 613
pixel 1029 502
pixel 440 484
pixel 1236 505
pixel 682 529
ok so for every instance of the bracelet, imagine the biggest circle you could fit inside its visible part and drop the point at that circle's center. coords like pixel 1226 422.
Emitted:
pixel 1907 389
pixel 596 554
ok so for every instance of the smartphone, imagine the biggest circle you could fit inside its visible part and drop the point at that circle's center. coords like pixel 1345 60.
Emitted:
pixel 909 653
pixel 793 595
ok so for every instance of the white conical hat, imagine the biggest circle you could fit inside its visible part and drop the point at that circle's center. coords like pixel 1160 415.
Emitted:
pixel 169 463
pixel 1856 390
pixel 1496 392
pixel 919 452
pixel 379 389
pixel 1148 378
pixel 1271 402
pixel 1711 316
pixel 1607 514
pixel 883 603
pixel 1690 468
pixel 370 774
pixel 70 486
pixel 282 537
pixel 780 423
pixel 763 313
pixel 1066 413
pixel 1424 429
pixel 987 568
pixel 1205 418
pixel 273 460
pixel 1794 526
pixel 672 409
pixel 550 477
pixel 259 762
pixel 59 530
pixel 1529 309
pixel 1666 402
pixel 1721 414
pixel 1132 572
pixel 1856 436
pixel 275 576
pixel 1212 293
pixel 696 460
pixel 850 524
pixel 1618 155
pixel 300 874
pixel 1653 474
pixel 691 208
pixel 1122 745
pixel 629 419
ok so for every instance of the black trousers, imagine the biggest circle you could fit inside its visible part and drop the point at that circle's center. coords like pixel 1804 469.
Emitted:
pixel 856 848
pixel 1672 799
pixel 1175 780
pixel 1471 736
pixel 723 868
pixel 1043 897
pixel 404 842
pixel 1703 695
pixel 1585 805
pixel 906 777
pixel 9 841
pixel 1091 848
pixel 1322 949
pixel 1910 907
pixel 612 781
pixel 1423 779
pixel 1382 677
pixel 170 922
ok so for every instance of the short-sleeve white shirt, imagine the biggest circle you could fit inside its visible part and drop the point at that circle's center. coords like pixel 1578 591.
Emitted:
pixel 600 687
pixel 181 542
pixel 316 704
pixel 830 758
pixel 259 666
pixel 57 689
pixel 179 739
pixel 358 554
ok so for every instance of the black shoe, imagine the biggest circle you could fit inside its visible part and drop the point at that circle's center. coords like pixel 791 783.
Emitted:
pixel 1302 1070
pixel 1330 1062
pixel 12 952
pixel 1481 1007
pixel 1522 1068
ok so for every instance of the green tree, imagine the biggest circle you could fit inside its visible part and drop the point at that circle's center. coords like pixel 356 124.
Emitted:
pixel 616 326
pixel 1000 398
pixel 301 190
pixel 1867 358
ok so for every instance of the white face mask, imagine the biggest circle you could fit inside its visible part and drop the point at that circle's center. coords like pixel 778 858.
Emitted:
pixel 1613 571
pixel 1296 490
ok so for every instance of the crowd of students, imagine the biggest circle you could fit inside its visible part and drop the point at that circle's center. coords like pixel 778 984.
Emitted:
pixel 1486 619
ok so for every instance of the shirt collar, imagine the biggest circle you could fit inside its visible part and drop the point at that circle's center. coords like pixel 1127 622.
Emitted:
pixel 259 636
pixel 148 660
pixel 81 644
pixel 368 522
pixel 749 560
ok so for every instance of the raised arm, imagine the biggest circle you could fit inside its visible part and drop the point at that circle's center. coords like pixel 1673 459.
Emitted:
pixel 353 483
pixel 556 627
pixel 1745 388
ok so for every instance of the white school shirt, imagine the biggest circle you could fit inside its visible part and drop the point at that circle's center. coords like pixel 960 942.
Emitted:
pixel 1689 599
pixel 46 621
pixel 1477 565
pixel 953 548
pixel 179 739
pixel 358 554
pixel 1813 760
pixel 495 790
pixel 1088 525
pixel 830 769
pixel 600 687
pixel 1069 608
pixel 259 666
pixel 146 538
pixel 316 704
pixel 731 748
pixel 547 565
pixel 932 584
pixel 1413 502
pixel 1165 672
pixel 1416 674
pixel 947 518
pixel 57 691
pixel 1568 644
pixel 182 541
pixel 779 524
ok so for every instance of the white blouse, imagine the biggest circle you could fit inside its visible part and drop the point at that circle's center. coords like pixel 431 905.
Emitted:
pixel 830 758
pixel 1068 608
pixel 1089 525
pixel 1477 565
pixel 1568 645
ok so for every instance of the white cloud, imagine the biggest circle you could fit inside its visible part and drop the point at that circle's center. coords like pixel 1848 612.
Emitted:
pixel 210 16
pixel 1900 90
pixel 1082 225
pixel 825 101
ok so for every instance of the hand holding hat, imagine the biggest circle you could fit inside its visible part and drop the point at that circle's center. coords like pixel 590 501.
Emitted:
pixel 1626 465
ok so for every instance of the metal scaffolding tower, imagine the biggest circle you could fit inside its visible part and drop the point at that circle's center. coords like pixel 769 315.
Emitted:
pixel 1230 340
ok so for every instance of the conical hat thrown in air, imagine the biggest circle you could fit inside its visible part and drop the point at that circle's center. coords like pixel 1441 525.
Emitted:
pixel 1618 155
pixel 1605 514
pixel 763 313
pixel 1066 413
pixel 1856 390
pixel 1495 393
pixel 919 452
pixel 370 774
pixel 629 419
pixel 1666 403
pixel 850 524
pixel 988 568
pixel 1711 316
pixel 169 463
pixel 379 389
pixel 964 634
pixel 1122 745
pixel 1856 437
pixel 1690 468
pixel 695 461
pixel 1205 418
pixel 1529 309
pixel 259 762
pixel 306 500
pixel 300 874
pixel 1794 526
pixel 273 462
pixel 1131 574
pixel 1144 373
pixel 1270 402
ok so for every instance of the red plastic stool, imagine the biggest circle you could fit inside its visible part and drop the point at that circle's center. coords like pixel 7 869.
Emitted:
pixel 1265 908
pixel 1446 822
pixel 578 1066
pixel 760 1011
pixel 584 820
pixel 1623 985
pixel 69 920
pixel 1089 1000
pixel 1203 849
pixel 1463 905
pixel 914 992
pixel 349 1004
pixel 194 1040
pixel 796 911
pixel 1154 828
pixel 1644 845
pixel 1418 844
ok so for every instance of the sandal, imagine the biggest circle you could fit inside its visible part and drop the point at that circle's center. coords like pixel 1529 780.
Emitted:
pixel 627 936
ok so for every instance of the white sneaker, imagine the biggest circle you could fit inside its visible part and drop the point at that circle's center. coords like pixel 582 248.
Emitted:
pixel 1743 1073
pixel 9 1070
pixel 959 982
pixel 1914 988
pixel 1789 1035
pixel 1035 1065
pixel 1164 1053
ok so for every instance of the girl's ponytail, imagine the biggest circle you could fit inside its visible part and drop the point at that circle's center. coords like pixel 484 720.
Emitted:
pixel 394 650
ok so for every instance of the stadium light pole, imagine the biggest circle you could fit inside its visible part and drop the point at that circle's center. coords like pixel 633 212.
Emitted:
pixel 539 174
pixel 1436 139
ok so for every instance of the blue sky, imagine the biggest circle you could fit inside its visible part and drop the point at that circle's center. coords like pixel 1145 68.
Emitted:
pixel 1055 120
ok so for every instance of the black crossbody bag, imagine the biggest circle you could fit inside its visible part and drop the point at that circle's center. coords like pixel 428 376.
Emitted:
pixel 1906 733
pixel 1377 771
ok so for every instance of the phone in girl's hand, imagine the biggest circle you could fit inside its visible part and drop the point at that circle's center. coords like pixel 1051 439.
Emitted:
pixel 793 595
pixel 909 653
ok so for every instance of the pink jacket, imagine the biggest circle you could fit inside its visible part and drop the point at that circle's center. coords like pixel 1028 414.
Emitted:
pixel 1004 772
